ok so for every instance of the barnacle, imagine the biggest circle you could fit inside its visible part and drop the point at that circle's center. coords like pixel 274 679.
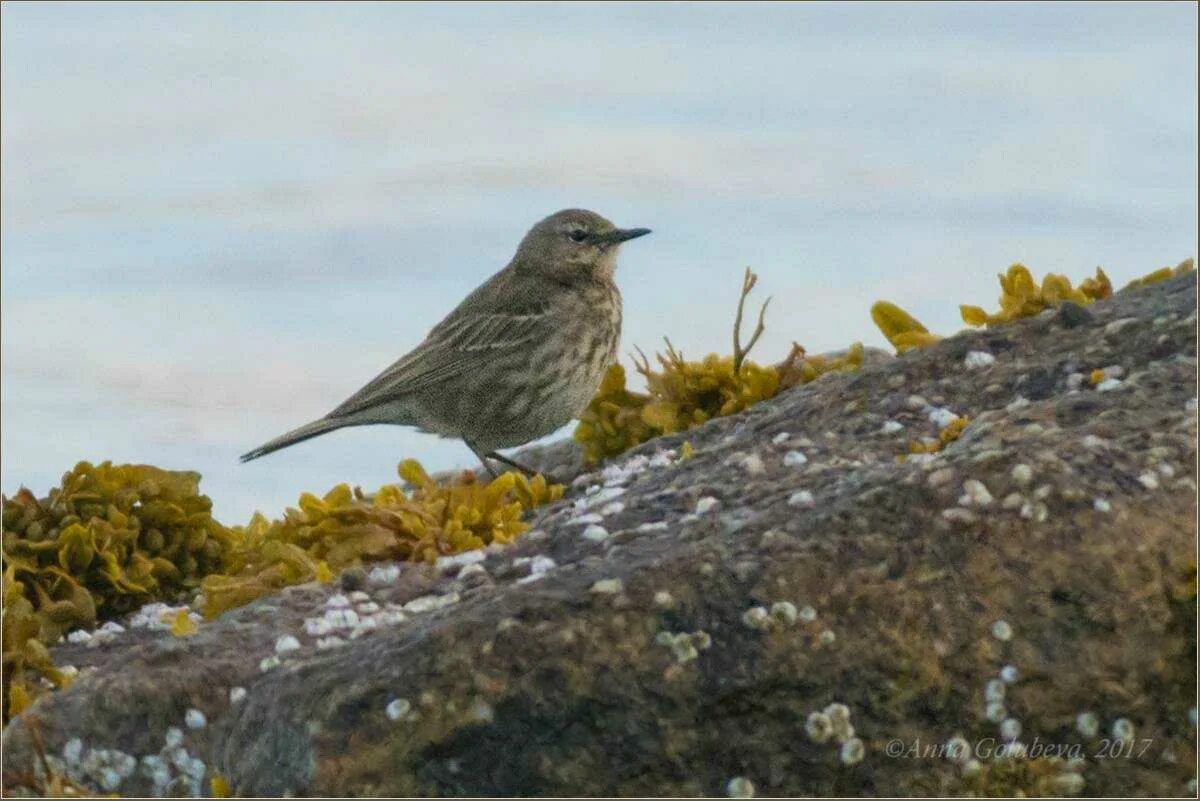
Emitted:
pixel 1162 274
pixel 683 394
pixel 903 330
pixel 1021 296
pixel 107 540
pixel 345 528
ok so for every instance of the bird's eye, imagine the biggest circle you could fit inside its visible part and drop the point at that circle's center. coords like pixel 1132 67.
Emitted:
pixel 577 234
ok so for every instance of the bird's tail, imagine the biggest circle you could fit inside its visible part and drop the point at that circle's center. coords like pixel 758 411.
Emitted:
pixel 307 431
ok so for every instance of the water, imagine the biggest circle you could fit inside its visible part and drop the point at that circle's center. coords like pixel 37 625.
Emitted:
pixel 221 220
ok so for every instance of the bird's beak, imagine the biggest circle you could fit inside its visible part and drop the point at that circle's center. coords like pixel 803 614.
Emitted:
pixel 619 235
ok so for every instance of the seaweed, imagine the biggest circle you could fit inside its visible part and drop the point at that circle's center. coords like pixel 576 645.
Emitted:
pixel 1162 274
pixel 1021 296
pixel 107 540
pixel 683 394
pixel 346 528
pixel 900 328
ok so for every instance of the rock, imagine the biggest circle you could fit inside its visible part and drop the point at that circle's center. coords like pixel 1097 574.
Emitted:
pixel 1072 315
pixel 551 678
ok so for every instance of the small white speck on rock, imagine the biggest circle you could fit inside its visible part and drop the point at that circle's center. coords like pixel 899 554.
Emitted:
pixel 286 643
pixel 794 459
pixel 195 719
pixel 1002 630
pixel 1148 480
pixel 780 438
pixel 1087 724
pixel 1122 729
pixel 996 711
pixel 942 417
pixel 608 586
pixel 1022 475
pixel 802 498
pixel 1019 402
pixel 852 751
pixel 827 637
pixel 1010 729
pixel 757 618
pixel 740 787
pixel 957 514
pixel 397 708
pixel 891 427
pixel 753 464
pixel 808 614
pixel 975 493
pixel 784 612
pixel 237 695
pixel 1109 384
pixel 978 359
pixel 1009 674
pixel 706 504
pixel 664 599
pixel 595 533
pixel 1102 505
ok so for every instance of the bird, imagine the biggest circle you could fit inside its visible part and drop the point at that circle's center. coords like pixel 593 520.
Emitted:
pixel 518 358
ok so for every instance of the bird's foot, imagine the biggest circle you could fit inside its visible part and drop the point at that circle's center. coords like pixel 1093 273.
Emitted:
pixel 528 471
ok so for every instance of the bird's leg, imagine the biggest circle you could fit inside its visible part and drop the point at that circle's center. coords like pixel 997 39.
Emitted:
pixel 500 458
pixel 483 458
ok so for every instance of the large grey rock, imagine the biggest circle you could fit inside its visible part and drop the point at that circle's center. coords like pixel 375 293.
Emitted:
pixel 795 561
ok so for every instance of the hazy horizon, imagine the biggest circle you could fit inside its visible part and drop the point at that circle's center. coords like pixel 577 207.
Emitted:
pixel 221 220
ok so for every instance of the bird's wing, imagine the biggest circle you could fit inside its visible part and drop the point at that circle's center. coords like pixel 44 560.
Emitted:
pixel 459 344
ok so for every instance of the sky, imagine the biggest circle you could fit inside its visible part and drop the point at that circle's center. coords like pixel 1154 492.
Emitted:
pixel 219 221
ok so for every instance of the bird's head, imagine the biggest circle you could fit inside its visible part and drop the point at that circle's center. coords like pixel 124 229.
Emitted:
pixel 575 241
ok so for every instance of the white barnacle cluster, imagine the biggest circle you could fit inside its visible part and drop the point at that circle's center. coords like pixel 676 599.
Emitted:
pixel 344 617
pixel 740 787
pixel 978 359
pixel 832 724
pixel 685 645
pixel 539 566
pixel 173 771
pixel 780 615
pixel 399 709
pixel 159 616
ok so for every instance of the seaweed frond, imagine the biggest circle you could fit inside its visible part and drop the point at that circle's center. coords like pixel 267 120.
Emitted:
pixel 345 528
pixel 109 539
pixel 904 331
pixel 683 394
pixel 1162 274
pixel 1021 296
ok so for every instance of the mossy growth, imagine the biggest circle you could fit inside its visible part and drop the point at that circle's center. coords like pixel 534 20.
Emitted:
pixel 107 540
pixel 1162 274
pixel 346 528
pixel 1021 296
pixel 683 394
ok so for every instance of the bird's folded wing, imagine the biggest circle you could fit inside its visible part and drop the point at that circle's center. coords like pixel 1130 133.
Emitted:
pixel 454 347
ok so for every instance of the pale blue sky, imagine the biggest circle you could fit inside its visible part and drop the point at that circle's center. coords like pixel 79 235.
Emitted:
pixel 221 220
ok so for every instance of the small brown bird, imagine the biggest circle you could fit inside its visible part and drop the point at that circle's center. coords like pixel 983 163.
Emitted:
pixel 519 358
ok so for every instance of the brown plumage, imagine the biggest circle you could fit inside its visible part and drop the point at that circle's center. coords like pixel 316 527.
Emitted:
pixel 517 359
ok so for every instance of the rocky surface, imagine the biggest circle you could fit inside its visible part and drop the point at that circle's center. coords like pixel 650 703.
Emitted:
pixel 672 626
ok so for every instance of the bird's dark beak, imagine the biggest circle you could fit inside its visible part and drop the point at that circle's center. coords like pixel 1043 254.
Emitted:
pixel 619 235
